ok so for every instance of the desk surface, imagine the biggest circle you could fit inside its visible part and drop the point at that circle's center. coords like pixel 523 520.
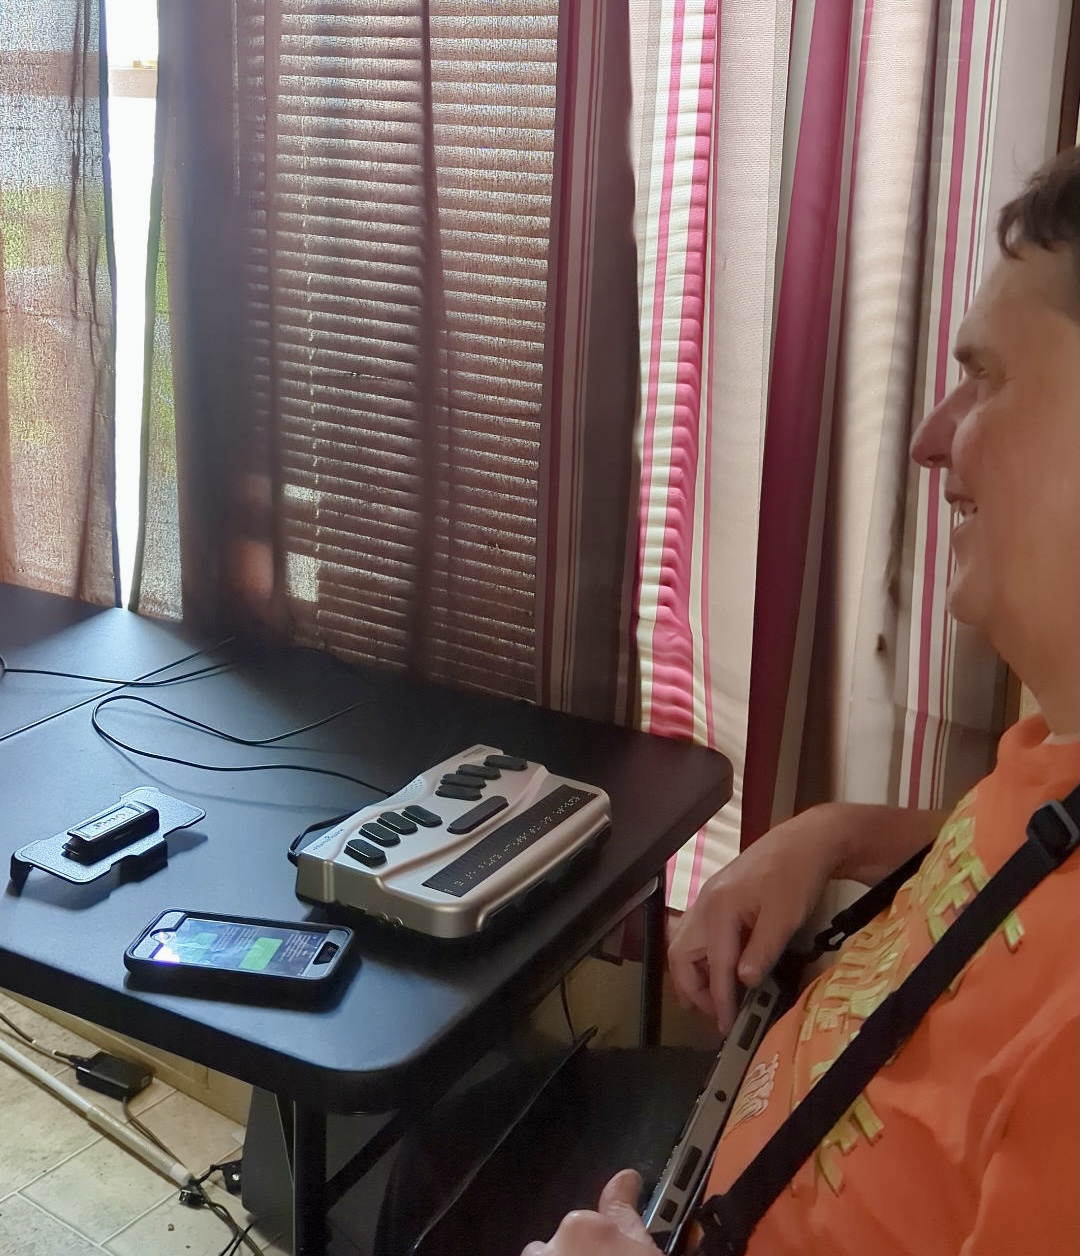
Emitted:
pixel 416 1010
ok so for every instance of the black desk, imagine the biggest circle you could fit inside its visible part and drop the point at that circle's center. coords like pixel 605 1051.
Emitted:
pixel 418 1013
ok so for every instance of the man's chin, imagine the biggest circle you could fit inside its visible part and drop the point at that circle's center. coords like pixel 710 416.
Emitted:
pixel 960 604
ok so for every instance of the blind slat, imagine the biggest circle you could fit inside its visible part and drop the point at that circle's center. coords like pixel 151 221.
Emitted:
pixel 348 333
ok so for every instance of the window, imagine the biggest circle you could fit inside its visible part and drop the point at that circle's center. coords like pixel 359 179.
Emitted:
pixel 131 34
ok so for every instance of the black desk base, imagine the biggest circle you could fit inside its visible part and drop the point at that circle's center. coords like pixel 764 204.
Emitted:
pixel 305 1129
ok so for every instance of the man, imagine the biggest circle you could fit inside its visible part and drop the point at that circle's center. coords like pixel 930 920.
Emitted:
pixel 967 1141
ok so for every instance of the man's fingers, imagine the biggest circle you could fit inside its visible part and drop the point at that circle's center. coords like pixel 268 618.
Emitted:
pixel 758 958
pixel 619 1204
pixel 621 1191
pixel 724 957
pixel 690 977
pixel 705 973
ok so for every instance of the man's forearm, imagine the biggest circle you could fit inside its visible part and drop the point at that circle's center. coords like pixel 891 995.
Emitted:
pixel 874 840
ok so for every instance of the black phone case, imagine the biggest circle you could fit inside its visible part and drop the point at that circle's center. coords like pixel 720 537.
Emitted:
pixel 241 986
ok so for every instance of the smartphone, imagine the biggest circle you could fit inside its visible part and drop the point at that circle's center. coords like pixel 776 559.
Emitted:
pixel 265 960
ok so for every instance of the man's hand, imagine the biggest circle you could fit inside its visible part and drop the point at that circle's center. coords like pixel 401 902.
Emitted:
pixel 615 1229
pixel 746 914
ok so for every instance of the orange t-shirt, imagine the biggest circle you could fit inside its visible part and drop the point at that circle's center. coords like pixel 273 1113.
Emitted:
pixel 967 1143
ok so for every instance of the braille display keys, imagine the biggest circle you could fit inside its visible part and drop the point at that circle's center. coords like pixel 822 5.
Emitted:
pixel 465 841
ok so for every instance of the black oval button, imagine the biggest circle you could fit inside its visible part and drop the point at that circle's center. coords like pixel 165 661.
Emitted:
pixel 465 782
pixel 380 833
pixel 365 853
pixel 508 762
pixel 422 816
pixel 478 769
pixel 398 823
pixel 458 791
pixel 473 819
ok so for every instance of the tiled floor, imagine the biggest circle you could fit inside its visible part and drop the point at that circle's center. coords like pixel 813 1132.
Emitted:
pixel 67 1190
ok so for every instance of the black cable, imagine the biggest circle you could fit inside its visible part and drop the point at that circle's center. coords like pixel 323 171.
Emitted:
pixel 233 1245
pixel 217 732
pixel 121 685
pixel 292 855
pixel 112 680
pixel 242 741
pixel 566 1008
pixel 36 1046
pixel 240 1237
pixel 227 1169
pixel 144 683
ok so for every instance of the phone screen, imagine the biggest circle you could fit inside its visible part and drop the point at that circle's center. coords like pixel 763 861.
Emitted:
pixel 237 947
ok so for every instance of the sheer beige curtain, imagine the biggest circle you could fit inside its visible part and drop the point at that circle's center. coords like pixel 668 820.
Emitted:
pixel 56 514
pixel 401 329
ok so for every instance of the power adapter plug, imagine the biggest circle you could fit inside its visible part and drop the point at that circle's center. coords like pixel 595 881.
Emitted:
pixel 112 1076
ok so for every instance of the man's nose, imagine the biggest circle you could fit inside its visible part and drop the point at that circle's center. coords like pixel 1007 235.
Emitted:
pixel 931 444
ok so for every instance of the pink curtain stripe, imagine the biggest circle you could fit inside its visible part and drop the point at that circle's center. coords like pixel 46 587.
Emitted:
pixel 797 386
pixel 672 706
pixel 674 629
pixel 656 315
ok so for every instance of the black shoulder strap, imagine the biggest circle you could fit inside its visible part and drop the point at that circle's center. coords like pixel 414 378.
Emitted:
pixel 865 907
pixel 728 1220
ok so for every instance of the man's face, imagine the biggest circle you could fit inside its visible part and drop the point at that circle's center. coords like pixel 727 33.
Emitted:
pixel 1008 439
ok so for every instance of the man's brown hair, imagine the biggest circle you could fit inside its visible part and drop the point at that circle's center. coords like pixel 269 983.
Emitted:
pixel 1046 214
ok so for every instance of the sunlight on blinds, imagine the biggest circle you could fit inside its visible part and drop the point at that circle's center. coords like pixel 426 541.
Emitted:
pixel 400 199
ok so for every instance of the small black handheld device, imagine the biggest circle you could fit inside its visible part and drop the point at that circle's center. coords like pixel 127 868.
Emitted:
pixel 110 830
pixel 239 956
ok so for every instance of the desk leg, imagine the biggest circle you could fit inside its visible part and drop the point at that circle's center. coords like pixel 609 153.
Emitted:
pixel 652 965
pixel 309 1182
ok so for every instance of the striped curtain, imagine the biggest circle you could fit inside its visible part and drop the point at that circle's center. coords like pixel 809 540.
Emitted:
pixel 814 197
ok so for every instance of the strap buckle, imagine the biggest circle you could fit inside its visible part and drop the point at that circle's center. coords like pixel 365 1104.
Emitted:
pixel 831 938
pixel 1055 831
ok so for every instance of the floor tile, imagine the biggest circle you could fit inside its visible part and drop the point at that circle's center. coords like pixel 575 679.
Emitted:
pixel 100 1190
pixel 195 1134
pixel 82 1195
pixel 153 1094
pixel 172 1229
pixel 40 1130
pixel 276 1250
pixel 27 1231
pixel 47 1033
